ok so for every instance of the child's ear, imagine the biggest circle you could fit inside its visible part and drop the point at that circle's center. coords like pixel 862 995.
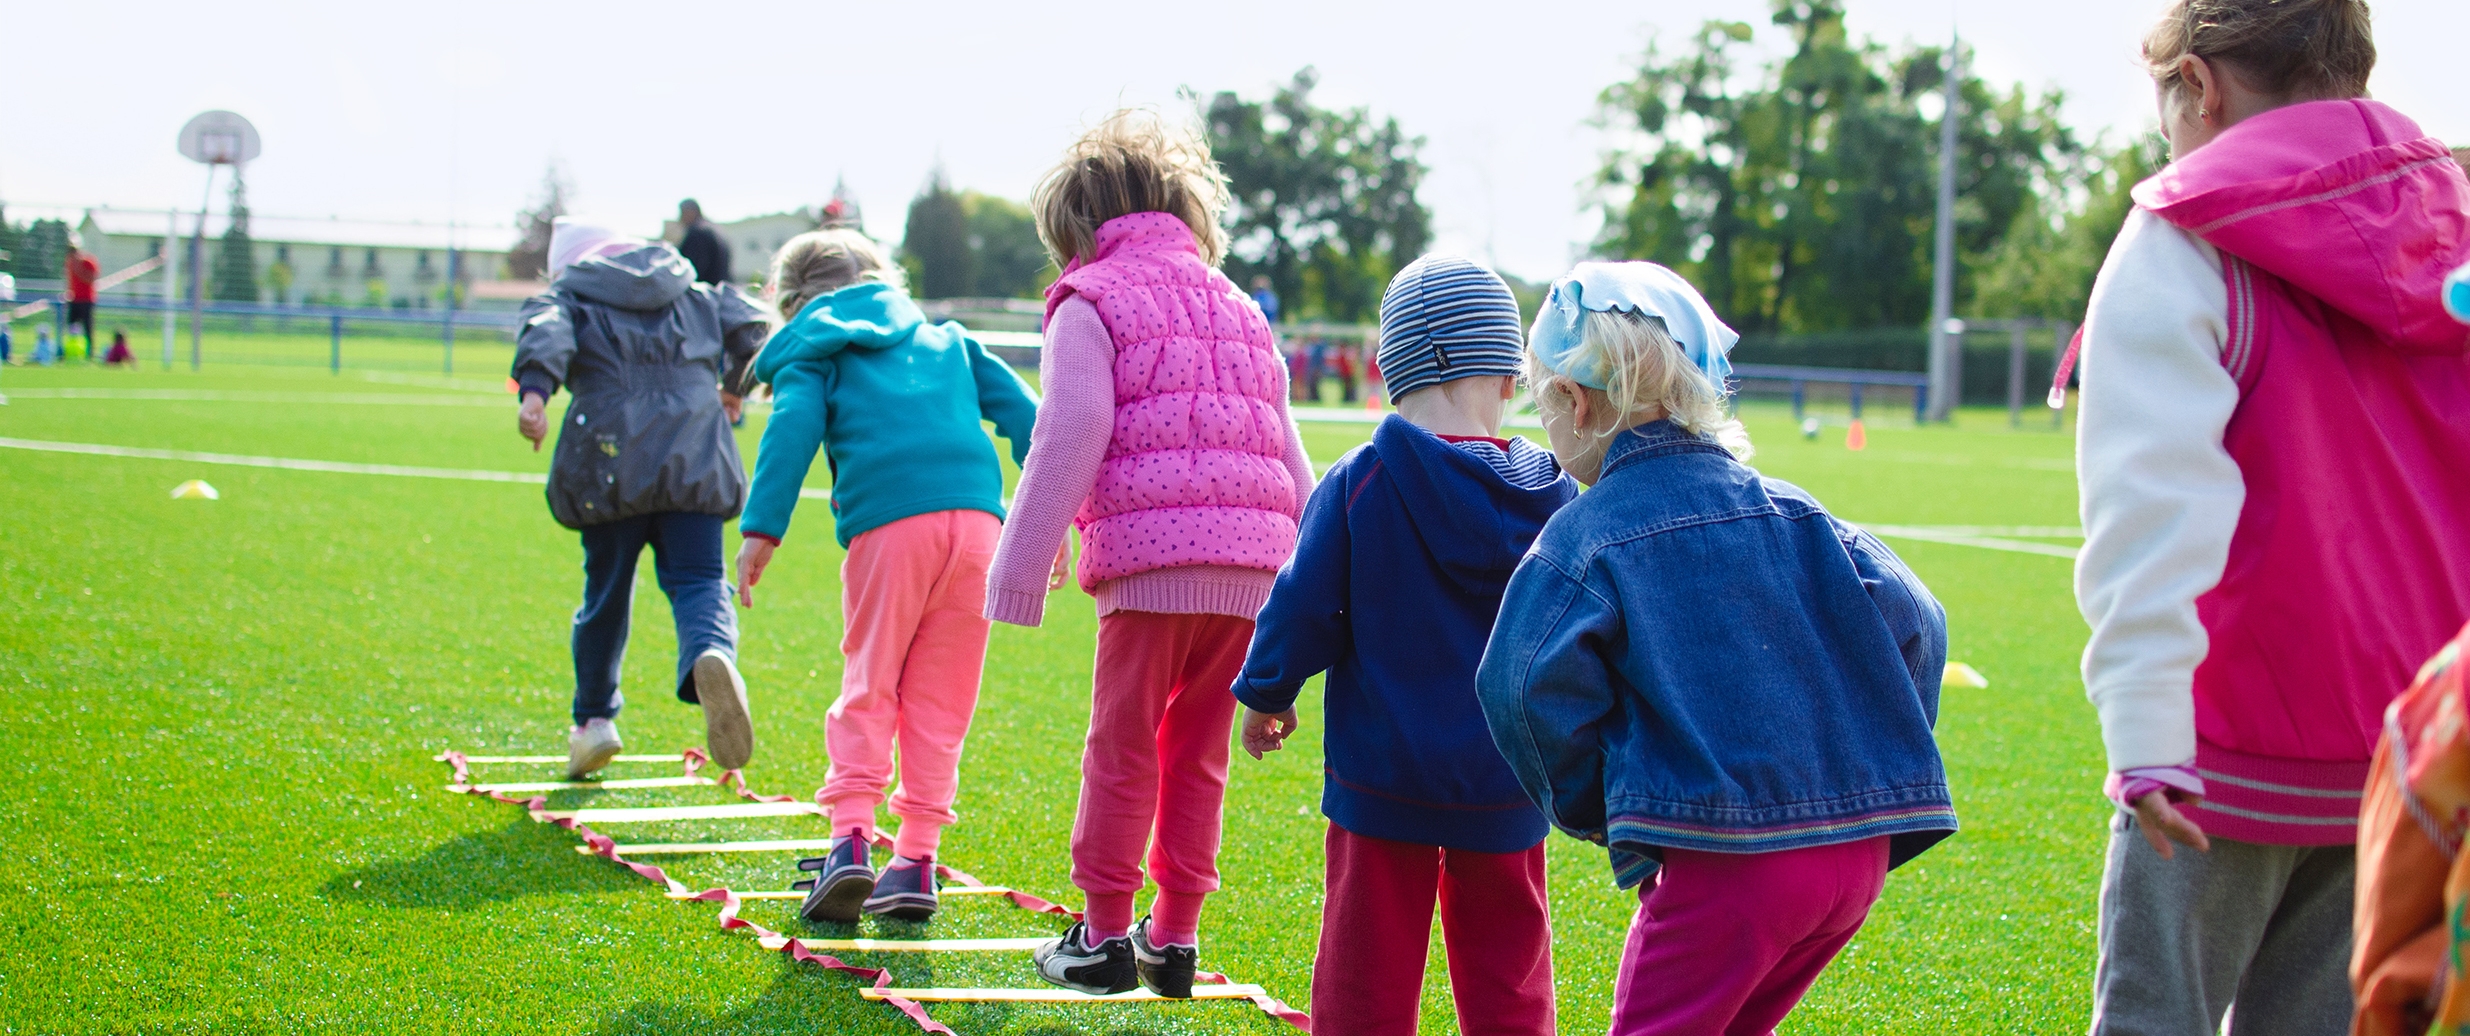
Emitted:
pixel 1581 411
pixel 1509 388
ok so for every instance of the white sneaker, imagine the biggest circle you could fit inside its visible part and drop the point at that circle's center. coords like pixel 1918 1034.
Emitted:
pixel 728 732
pixel 591 746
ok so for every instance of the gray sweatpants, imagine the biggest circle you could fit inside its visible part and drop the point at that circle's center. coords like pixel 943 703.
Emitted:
pixel 2255 934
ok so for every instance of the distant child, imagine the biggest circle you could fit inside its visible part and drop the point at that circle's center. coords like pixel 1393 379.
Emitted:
pixel 1405 550
pixel 2277 526
pixel 1165 439
pixel 896 406
pixel 1701 670
pixel 46 350
pixel 119 356
pixel 644 458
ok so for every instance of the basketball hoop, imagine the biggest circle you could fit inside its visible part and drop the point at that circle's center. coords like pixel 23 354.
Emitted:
pixel 219 138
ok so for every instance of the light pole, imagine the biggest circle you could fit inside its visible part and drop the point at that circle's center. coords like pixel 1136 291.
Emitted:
pixel 1946 333
pixel 211 139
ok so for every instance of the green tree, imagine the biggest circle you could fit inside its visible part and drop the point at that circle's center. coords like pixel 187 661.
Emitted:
pixel 234 275
pixel 936 240
pixel 2044 267
pixel 41 248
pixel 529 259
pixel 1802 197
pixel 1007 259
pixel 1325 202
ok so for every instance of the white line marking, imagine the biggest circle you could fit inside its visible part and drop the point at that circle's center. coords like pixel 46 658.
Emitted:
pixel 631 782
pixel 1053 995
pixel 657 814
pixel 775 943
pixel 1931 535
pixel 560 758
pixel 311 398
pixel 285 463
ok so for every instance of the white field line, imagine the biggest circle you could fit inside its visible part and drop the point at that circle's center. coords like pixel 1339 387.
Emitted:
pixel 1935 535
pixel 630 782
pixel 478 759
pixel 300 464
pixel 306 398
pixel 775 943
pixel 662 814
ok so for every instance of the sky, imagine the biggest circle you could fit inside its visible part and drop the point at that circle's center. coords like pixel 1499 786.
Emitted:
pixel 454 109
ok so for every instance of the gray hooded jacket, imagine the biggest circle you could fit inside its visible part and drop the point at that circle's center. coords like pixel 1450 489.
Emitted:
pixel 642 349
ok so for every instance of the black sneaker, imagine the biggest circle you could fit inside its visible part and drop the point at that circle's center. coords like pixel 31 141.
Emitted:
pixel 905 891
pixel 845 883
pixel 1167 970
pixel 1098 970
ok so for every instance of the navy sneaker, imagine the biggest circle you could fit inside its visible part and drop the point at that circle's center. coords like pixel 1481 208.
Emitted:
pixel 1166 969
pixel 846 881
pixel 905 891
pixel 1100 970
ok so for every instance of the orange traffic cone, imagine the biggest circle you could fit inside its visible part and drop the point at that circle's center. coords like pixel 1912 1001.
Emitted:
pixel 1856 438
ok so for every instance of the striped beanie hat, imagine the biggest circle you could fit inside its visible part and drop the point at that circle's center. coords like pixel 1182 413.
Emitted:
pixel 1446 318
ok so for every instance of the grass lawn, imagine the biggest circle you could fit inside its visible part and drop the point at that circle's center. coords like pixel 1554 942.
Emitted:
pixel 222 814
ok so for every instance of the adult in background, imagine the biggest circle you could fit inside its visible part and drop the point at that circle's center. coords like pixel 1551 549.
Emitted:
pixel 80 271
pixel 702 245
pixel 644 458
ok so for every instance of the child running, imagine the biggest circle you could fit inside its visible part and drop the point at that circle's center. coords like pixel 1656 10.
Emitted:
pixel 897 405
pixel 1405 550
pixel 2270 465
pixel 1701 670
pixel 1165 439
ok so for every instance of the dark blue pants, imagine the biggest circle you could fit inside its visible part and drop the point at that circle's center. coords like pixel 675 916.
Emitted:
pixel 686 557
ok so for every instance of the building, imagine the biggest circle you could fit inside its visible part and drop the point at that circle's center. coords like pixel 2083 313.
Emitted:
pixel 753 241
pixel 318 261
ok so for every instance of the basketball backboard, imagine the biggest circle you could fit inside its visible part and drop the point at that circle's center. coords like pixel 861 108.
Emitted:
pixel 219 138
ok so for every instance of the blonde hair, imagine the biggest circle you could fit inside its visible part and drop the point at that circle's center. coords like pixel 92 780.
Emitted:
pixel 1135 161
pixel 820 262
pixel 1648 375
pixel 2293 49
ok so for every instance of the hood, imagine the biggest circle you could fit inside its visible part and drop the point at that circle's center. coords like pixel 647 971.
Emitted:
pixel 1472 521
pixel 2346 200
pixel 646 278
pixel 860 316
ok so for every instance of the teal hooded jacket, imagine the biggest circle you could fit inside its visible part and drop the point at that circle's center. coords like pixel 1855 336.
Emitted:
pixel 894 403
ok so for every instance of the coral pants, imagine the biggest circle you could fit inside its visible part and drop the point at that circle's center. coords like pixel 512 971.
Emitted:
pixel 1153 773
pixel 1728 942
pixel 915 639
pixel 1368 979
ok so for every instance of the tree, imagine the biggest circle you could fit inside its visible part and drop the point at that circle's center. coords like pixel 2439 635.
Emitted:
pixel 1802 197
pixel 1325 202
pixel 234 275
pixel 2044 266
pixel 529 259
pixel 936 241
pixel 41 248
pixel 1006 255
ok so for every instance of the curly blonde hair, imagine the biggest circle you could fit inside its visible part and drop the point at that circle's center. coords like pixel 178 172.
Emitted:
pixel 1134 161
pixel 1649 378
pixel 820 262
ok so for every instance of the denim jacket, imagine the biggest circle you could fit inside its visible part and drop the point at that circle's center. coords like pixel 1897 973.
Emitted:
pixel 1696 656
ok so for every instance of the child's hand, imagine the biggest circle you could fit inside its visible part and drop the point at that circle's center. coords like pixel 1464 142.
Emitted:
pixel 533 420
pixel 754 553
pixel 2163 824
pixel 1267 733
pixel 733 406
pixel 1063 566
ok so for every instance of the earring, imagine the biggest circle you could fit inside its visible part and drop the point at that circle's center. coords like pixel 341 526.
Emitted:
pixel 2204 113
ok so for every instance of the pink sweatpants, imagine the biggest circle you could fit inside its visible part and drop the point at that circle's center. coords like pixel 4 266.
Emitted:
pixel 1728 942
pixel 1153 773
pixel 1376 925
pixel 915 639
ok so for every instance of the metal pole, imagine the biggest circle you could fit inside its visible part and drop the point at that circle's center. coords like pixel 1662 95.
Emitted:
pixel 452 257
pixel 171 282
pixel 197 276
pixel 2015 374
pixel 334 360
pixel 1944 392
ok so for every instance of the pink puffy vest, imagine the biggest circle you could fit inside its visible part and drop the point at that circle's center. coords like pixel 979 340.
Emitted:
pixel 1194 474
pixel 2337 221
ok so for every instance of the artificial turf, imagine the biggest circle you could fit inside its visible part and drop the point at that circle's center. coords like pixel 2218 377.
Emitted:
pixel 221 814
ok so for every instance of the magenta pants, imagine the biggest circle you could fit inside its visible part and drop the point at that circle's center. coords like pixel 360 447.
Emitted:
pixel 914 635
pixel 1153 772
pixel 1376 927
pixel 1728 942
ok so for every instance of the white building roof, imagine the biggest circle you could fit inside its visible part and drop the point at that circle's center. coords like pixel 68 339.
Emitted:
pixel 299 231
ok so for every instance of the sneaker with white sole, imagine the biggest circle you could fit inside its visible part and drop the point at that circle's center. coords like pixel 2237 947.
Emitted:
pixel 905 891
pixel 590 747
pixel 846 880
pixel 728 730
pixel 1100 970
pixel 1167 969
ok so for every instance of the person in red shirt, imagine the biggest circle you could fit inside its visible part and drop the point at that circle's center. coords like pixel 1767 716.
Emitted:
pixel 80 270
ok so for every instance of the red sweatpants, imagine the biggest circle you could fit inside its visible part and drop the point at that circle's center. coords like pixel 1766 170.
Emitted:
pixel 1728 942
pixel 1153 773
pixel 1376 925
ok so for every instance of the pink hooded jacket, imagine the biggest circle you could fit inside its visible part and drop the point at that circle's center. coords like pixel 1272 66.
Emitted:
pixel 2337 222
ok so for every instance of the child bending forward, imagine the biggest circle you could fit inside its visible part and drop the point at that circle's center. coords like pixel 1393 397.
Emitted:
pixel 1701 670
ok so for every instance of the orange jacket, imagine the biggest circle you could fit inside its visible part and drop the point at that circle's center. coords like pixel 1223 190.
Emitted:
pixel 2406 965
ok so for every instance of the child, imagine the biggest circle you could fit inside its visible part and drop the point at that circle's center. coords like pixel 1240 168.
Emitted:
pixel 1406 547
pixel 2270 468
pixel 1701 670
pixel 1165 439
pixel 917 501
pixel 119 356
pixel 644 457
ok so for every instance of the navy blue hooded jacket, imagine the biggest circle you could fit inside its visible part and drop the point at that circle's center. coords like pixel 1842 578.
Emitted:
pixel 1406 548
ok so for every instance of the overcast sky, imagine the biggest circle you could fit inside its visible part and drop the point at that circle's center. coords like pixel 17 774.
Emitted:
pixel 454 108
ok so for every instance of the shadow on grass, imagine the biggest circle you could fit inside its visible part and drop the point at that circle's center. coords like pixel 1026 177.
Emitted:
pixel 521 859
pixel 807 999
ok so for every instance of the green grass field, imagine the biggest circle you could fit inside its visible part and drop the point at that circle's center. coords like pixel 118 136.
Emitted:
pixel 222 816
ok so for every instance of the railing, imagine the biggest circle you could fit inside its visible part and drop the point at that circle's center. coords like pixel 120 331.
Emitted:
pixel 1801 377
pixel 447 322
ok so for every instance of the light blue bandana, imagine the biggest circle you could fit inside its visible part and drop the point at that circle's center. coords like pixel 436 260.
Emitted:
pixel 1559 334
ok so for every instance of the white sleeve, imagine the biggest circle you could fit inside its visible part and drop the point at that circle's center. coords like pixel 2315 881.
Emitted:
pixel 2159 492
